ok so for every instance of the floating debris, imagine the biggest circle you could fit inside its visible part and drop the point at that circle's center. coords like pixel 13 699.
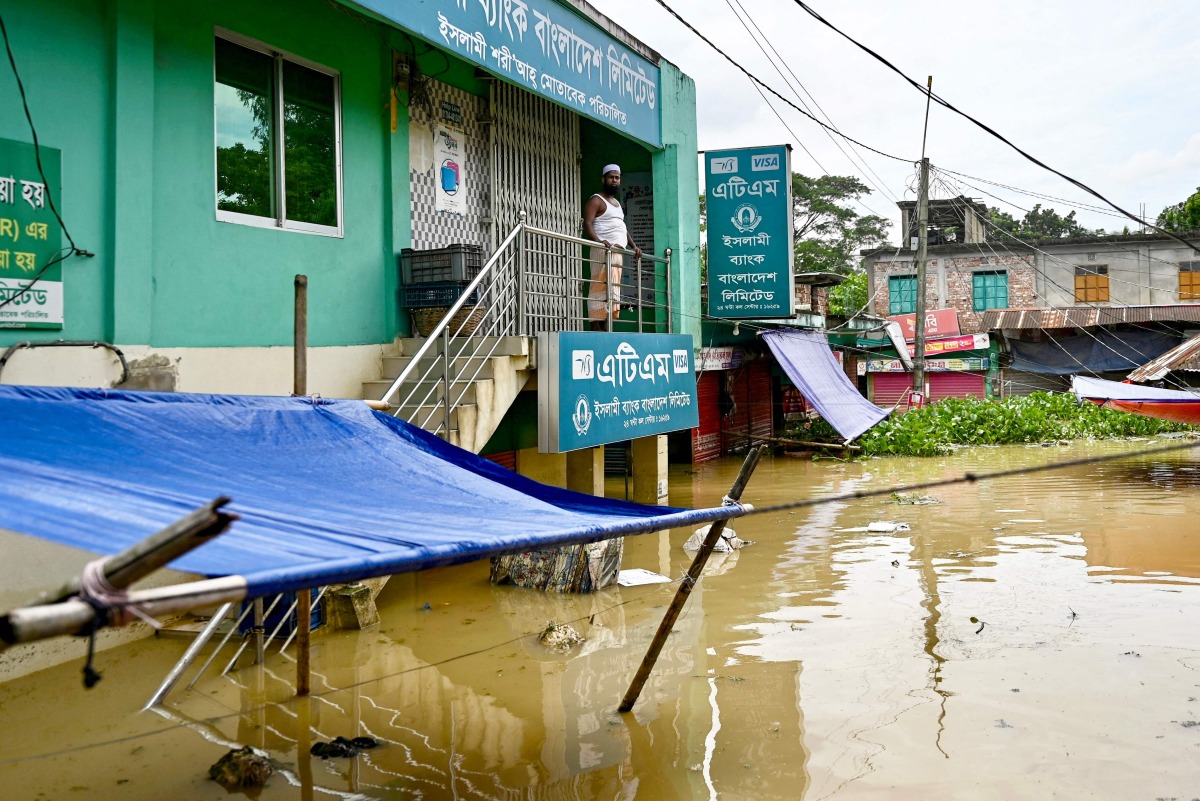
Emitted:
pixel 879 527
pixel 343 747
pixel 241 767
pixel 913 499
pixel 728 541
pixel 635 576
pixel 559 637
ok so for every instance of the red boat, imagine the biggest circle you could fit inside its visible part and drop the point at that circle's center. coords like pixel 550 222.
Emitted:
pixel 1178 406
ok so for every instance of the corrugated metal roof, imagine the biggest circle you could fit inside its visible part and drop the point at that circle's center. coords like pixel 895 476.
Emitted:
pixel 1180 358
pixel 1087 316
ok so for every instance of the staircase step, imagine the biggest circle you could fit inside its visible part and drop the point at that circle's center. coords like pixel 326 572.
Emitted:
pixel 504 346
pixel 432 366
pixel 426 391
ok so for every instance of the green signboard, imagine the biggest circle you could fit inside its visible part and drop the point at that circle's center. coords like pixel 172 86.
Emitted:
pixel 596 387
pixel 748 196
pixel 31 296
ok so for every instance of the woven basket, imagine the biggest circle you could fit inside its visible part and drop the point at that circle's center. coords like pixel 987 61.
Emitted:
pixel 425 320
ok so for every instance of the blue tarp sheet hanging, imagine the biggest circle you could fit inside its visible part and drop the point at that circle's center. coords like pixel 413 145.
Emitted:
pixel 327 490
pixel 1101 351
pixel 806 358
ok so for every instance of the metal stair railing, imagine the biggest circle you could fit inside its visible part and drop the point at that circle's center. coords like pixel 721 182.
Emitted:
pixel 532 283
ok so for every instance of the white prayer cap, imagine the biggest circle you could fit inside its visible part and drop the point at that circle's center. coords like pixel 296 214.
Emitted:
pixel 611 168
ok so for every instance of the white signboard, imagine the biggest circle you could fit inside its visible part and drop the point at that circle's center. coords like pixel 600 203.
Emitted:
pixel 449 174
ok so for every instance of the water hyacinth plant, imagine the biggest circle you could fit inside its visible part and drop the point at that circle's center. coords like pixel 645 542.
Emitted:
pixel 1041 417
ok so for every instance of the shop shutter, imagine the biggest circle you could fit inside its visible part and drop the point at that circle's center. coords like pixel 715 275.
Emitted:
pixel 1018 383
pixel 956 385
pixel 888 388
pixel 535 160
pixel 706 438
pixel 504 459
pixel 750 388
pixel 761 399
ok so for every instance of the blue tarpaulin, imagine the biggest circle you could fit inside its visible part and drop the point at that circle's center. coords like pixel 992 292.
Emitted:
pixel 806 358
pixel 327 490
pixel 1099 351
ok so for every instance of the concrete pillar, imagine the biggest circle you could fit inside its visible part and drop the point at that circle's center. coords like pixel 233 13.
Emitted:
pixel 649 457
pixel 548 468
pixel 132 190
pixel 585 471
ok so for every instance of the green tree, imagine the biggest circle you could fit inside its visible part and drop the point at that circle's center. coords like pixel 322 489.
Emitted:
pixel 829 232
pixel 849 297
pixel 703 239
pixel 1182 216
pixel 1039 223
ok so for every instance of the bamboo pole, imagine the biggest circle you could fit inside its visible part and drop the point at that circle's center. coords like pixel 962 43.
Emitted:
pixel 685 588
pixel 70 616
pixel 167 544
pixel 799 442
pixel 300 388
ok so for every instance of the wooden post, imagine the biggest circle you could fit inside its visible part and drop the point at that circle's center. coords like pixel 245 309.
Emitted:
pixel 300 388
pixel 300 339
pixel 685 588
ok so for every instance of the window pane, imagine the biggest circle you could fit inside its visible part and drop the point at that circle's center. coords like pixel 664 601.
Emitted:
pixel 244 151
pixel 902 295
pixel 990 291
pixel 1189 284
pixel 310 164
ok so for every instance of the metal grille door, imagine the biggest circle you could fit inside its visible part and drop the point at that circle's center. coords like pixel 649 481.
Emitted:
pixel 535 168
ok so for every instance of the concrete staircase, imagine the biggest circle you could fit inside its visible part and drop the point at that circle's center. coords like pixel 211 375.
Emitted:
pixel 498 379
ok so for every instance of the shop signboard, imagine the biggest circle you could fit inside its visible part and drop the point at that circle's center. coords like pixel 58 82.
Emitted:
pixel 970 364
pixel 938 323
pixel 952 344
pixel 748 196
pixel 727 357
pixel 31 287
pixel 596 387
pixel 546 48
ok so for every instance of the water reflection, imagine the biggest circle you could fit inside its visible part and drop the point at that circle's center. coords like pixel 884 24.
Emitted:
pixel 1028 637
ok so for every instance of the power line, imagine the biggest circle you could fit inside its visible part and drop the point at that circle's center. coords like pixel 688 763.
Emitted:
pixel 778 60
pixel 754 78
pixel 1050 280
pixel 946 104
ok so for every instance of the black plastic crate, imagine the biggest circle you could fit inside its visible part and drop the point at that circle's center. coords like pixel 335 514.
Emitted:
pixel 440 293
pixel 453 263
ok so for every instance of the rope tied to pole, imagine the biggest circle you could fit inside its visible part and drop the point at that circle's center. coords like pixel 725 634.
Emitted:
pixel 107 600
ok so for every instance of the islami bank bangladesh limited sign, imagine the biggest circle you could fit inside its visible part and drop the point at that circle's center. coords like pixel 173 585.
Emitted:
pixel 598 387
pixel 546 48
pixel 748 196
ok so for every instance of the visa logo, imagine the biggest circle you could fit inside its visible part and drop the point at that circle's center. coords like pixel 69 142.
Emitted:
pixel 764 162
pixel 724 164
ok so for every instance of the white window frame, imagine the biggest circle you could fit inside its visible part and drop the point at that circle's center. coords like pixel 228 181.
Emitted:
pixel 280 221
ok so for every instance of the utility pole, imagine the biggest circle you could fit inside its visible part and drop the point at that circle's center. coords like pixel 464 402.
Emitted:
pixel 922 245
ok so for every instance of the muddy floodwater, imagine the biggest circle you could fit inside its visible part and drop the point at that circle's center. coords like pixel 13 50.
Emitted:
pixel 1031 637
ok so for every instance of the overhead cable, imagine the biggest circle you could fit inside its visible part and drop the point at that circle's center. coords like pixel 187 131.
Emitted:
pixel 928 92
pixel 754 78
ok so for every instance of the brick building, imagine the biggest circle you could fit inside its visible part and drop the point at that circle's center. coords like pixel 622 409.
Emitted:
pixel 1119 300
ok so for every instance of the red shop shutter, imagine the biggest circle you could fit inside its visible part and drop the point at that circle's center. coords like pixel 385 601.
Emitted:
pixel 504 459
pixel 888 388
pixel 761 401
pixel 706 438
pixel 955 385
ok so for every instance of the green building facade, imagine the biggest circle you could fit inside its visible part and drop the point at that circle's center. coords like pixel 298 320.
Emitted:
pixel 151 111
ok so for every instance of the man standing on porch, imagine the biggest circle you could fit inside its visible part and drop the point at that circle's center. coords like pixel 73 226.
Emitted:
pixel 604 222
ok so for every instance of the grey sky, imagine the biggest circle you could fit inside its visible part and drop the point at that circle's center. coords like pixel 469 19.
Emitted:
pixel 1104 91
